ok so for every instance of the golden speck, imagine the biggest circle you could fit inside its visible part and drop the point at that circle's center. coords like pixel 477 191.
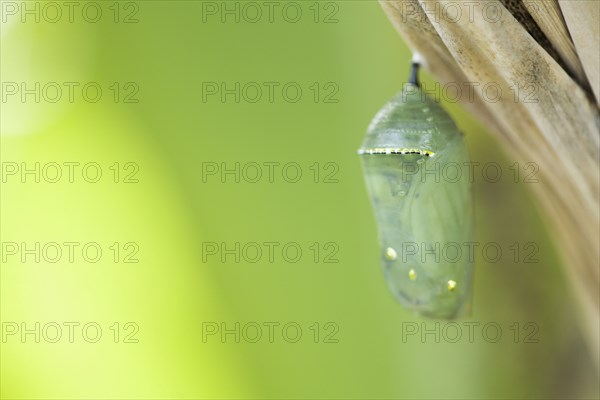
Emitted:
pixel 451 285
pixel 412 275
pixel 391 254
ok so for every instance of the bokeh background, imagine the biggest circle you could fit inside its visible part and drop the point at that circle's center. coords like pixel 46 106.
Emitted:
pixel 166 50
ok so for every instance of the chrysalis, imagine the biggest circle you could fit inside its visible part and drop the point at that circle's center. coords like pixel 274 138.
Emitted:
pixel 415 165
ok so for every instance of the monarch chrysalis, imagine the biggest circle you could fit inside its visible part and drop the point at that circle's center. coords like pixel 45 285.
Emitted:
pixel 424 215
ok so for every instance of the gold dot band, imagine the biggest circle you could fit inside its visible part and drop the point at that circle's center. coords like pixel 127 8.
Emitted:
pixel 383 150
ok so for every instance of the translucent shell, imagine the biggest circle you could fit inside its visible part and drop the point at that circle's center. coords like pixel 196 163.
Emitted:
pixel 414 161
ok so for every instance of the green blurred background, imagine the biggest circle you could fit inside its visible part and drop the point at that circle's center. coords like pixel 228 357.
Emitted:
pixel 362 350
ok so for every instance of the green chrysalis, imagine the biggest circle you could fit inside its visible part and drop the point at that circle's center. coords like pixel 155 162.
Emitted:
pixel 414 160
